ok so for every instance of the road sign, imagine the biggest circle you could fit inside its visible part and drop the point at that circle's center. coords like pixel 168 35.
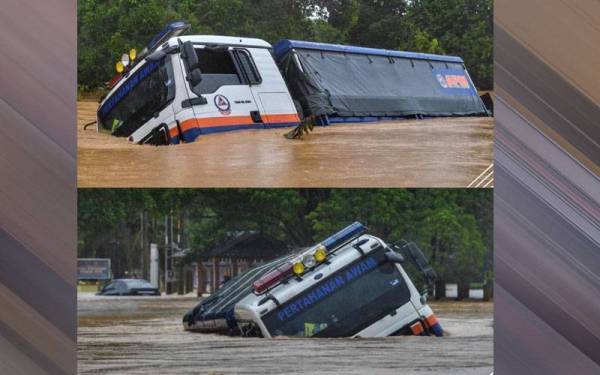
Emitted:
pixel 93 269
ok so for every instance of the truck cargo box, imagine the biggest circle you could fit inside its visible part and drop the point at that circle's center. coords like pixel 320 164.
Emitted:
pixel 343 83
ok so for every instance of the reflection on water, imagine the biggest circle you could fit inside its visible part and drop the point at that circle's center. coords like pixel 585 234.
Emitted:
pixel 409 153
pixel 144 335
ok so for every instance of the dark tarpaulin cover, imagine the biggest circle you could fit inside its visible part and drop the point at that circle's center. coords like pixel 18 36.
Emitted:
pixel 344 81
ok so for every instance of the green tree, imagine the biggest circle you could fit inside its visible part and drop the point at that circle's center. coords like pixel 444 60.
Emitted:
pixel 463 28
pixel 453 227
pixel 106 29
pixel 386 212
pixel 425 43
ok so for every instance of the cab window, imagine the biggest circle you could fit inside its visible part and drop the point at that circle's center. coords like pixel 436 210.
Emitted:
pixel 247 67
pixel 218 69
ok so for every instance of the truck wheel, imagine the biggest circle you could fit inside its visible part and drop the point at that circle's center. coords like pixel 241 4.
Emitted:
pixel 159 136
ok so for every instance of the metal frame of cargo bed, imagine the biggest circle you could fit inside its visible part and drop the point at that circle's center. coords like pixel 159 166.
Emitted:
pixel 326 120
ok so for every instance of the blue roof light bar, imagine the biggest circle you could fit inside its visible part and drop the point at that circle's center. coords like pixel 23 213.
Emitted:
pixel 345 235
pixel 172 29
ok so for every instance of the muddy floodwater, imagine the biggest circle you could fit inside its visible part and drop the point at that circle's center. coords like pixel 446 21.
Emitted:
pixel 442 152
pixel 144 335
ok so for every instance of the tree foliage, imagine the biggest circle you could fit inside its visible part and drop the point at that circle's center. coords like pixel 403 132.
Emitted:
pixel 452 226
pixel 107 29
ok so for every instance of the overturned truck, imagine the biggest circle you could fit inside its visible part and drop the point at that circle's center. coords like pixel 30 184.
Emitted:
pixel 349 285
pixel 183 86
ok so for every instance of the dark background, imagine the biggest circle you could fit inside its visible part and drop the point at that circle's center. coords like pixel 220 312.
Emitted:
pixel 38 210
pixel 38 207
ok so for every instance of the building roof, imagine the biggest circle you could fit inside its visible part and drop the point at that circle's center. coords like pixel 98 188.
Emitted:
pixel 248 245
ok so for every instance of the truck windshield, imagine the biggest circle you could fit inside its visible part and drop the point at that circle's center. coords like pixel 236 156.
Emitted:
pixel 145 93
pixel 344 303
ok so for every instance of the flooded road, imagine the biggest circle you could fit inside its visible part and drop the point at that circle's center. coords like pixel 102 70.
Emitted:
pixel 444 152
pixel 137 335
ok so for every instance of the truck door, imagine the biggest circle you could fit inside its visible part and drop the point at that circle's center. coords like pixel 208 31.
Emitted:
pixel 271 94
pixel 226 101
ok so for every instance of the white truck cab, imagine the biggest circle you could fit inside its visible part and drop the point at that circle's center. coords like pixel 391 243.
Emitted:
pixel 198 84
pixel 350 285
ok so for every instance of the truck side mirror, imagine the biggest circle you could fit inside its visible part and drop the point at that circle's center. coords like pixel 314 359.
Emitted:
pixel 156 56
pixel 195 77
pixel 394 257
pixel 190 56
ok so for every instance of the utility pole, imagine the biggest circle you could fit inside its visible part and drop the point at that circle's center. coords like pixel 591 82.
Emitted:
pixel 166 253
pixel 171 251
pixel 142 247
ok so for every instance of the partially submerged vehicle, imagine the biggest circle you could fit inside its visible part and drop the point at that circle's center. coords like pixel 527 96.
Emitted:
pixel 129 287
pixel 349 285
pixel 183 86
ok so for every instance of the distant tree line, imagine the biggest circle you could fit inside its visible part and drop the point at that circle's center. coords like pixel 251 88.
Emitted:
pixel 106 29
pixel 452 226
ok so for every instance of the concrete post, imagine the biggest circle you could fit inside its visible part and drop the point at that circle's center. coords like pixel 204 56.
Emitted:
pixel 154 268
pixel 201 272
pixel 216 278
pixel 234 266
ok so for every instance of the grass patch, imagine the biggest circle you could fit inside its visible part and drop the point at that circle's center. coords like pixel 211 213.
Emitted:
pixel 87 288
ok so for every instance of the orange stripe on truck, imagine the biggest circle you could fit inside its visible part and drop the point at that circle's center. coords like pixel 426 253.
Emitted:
pixel 417 328
pixel 210 122
pixel 431 320
pixel 292 117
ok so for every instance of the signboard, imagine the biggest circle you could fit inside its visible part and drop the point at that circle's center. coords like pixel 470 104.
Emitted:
pixel 454 81
pixel 93 269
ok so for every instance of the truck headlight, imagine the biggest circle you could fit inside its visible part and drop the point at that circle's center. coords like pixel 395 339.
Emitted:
pixel 125 59
pixel 298 268
pixel 119 67
pixel 309 260
pixel 320 254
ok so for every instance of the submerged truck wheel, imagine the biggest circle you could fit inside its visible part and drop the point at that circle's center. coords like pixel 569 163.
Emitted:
pixel 159 136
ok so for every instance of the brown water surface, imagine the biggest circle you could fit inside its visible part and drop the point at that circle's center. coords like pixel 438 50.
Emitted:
pixel 144 335
pixel 442 152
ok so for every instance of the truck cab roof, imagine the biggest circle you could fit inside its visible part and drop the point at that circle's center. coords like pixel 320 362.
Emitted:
pixel 222 40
